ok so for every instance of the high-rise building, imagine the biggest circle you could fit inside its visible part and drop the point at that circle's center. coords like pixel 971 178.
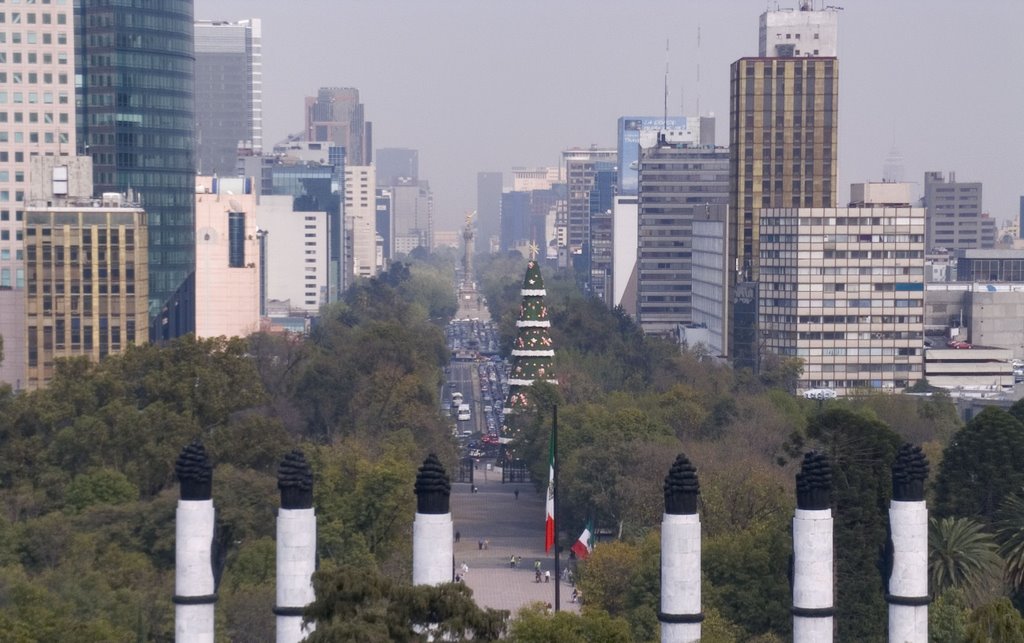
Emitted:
pixel 336 115
pixel 361 220
pixel 954 216
pixel 86 269
pixel 843 289
pixel 412 216
pixel 396 163
pixel 228 262
pixel 37 117
pixel 711 276
pixel 678 183
pixel 579 166
pixel 525 179
pixel 635 132
pixel 488 210
pixel 229 93
pixel 783 139
pixel 294 285
pixel 384 225
pixel 136 119
pixel 598 249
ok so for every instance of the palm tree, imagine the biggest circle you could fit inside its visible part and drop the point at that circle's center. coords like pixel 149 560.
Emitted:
pixel 961 555
pixel 1010 535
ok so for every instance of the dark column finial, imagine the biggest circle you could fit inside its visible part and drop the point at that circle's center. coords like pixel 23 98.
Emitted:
pixel 814 482
pixel 909 472
pixel 681 487
pixel 295 480
pixel 432 487
pixel 195 472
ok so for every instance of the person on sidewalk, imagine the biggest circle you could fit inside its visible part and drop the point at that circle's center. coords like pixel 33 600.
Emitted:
pixel 547 576
pixel 516 494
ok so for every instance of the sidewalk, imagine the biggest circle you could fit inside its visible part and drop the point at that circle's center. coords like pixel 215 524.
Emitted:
pixel 511 527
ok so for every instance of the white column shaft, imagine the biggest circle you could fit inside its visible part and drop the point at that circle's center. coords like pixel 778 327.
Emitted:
pixel 432 549
pixel 680 575
pixel 812 574
pixel 296 562
pixel 908 522
pixel 193 570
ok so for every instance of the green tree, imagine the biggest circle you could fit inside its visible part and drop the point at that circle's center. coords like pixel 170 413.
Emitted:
pixel 535 624
pixel 983 464
pixel 996 622
pixel 359 604
pixel 1009 531
pixel 962 556
pixel 102 486
pixel 947 617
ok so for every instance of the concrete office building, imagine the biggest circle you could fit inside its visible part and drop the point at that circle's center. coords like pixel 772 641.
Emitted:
pixel 86 269
pixel 954 214
pixel 297 257
pixel 843 289
pixel 412 217
pixel 678 183
pixel 136 119
pixel 635 132
pixel 229 93
pixel 598 256
pixel 335 115
pixel 228 262
pixel 579 167
pixel 488 211
pixel 711 276
pixel 37 117
pixel 396 163
pixel 361 221
pixel 624 231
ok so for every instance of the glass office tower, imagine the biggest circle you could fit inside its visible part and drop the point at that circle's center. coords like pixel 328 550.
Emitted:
pixel 134 69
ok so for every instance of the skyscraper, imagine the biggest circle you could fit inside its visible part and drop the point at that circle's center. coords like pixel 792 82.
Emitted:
pixel 36 118
pixel 579 166
pixel 678 183
pixel 336 115
pixel 229 93
pixel 783 135
pixel 395 163
pixel 136 119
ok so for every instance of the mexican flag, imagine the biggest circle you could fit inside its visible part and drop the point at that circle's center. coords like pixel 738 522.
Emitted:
pixel 585 544
pixel 549 522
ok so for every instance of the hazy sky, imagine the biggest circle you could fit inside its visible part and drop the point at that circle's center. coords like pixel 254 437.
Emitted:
pixel 488 85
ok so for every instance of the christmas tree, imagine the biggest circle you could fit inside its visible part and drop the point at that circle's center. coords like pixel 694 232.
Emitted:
pixel 533 351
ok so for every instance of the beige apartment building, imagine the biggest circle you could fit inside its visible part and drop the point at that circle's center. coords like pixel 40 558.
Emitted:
pixel 843 289
pixel 361 221
pixel 227 258
pixel 37 118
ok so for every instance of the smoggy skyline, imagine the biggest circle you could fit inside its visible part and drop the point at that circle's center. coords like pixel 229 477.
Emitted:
pixel 478 86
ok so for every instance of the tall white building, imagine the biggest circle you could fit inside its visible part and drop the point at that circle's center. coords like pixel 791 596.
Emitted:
pixel 296 257
pixel 227 258
pixel 229 92
pixel 361 220
pixel 843 289
pixel 37 117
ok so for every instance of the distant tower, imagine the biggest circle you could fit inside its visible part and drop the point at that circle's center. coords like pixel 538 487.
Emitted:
pixel 533 351
pixel 296 547
pixel 195 591
pixel 433 529
pixel 813 611
pixel 680 613
pixel 892 171
pixel 467 257
pixel 908 523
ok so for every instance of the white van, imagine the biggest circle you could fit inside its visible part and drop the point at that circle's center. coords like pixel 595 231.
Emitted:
pixel 464 412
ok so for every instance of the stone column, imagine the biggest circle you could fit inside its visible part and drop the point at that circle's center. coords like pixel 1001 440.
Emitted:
pixel 908 523
pixel 680 612
pixel 195 591
pixel 812 552
pixel 296 548
pixel 432 530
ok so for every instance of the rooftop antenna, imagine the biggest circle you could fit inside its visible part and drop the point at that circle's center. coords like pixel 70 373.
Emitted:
pixel 698 69
pixel 665 123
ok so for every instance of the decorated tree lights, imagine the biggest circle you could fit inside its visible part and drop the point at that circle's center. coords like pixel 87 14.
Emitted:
pixel 533 351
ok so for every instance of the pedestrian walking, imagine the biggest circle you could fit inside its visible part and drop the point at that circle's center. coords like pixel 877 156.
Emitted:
pixel 457 536
pixel 547 576
pixel 480 544
pixel 516 494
